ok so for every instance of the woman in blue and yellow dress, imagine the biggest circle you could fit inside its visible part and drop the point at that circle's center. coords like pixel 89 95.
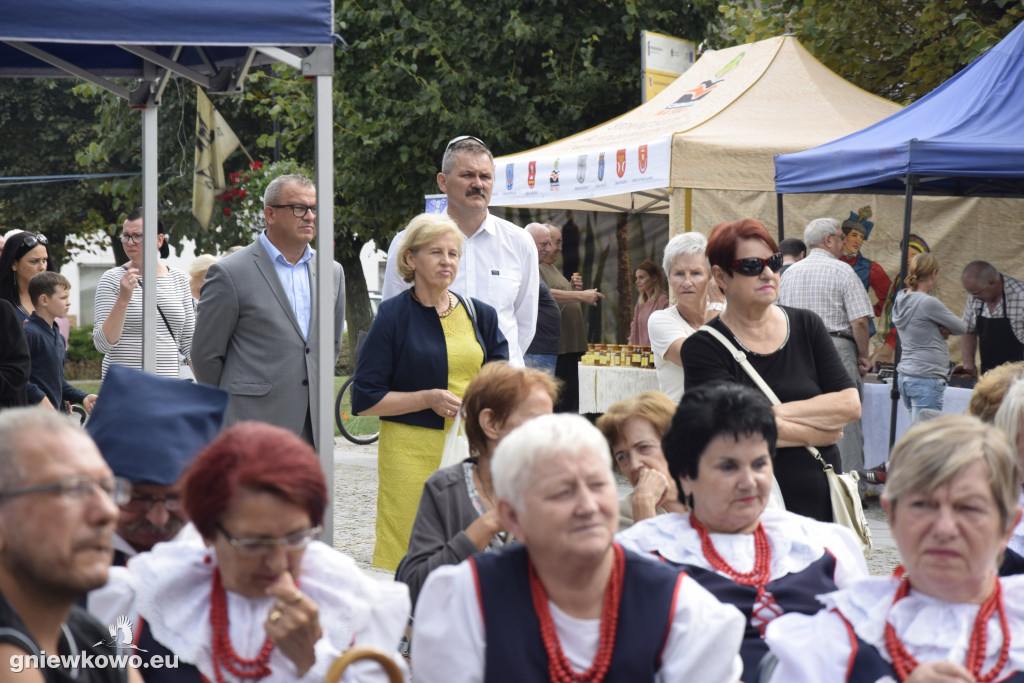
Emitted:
pixel 423 348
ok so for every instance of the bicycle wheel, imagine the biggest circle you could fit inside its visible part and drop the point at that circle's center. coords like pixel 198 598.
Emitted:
pixel 358 430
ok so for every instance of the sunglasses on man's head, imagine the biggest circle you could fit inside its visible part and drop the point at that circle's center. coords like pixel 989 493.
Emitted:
pixel 755 266
pixel 459 139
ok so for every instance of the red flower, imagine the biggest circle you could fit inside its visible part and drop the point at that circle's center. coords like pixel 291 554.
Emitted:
pixel 227 210
pixel 255 165
pixel 241 194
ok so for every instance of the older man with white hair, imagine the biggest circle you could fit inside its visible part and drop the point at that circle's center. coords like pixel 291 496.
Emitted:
pixel 824 284
pixel 568 603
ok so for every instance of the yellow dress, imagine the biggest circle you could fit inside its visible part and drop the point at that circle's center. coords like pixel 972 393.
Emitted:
pixel 407 455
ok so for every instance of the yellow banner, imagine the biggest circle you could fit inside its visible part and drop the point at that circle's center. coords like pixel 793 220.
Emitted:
pixel 215 142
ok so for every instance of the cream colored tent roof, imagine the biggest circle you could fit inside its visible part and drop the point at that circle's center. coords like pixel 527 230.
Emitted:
pixel 716 127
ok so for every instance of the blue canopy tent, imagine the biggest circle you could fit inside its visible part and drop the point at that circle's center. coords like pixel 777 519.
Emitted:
pixel 965 138
pixel 213 43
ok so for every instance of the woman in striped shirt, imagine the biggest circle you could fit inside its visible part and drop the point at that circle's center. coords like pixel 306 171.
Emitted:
pixel 118 307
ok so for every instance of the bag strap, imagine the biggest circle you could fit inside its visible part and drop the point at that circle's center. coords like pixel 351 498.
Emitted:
pixel 741 358
pixel 167 325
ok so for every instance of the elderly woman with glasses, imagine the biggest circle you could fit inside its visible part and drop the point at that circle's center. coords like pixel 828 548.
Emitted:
pixel 259 597
pixel 568 604
pixel 790 349
pixel 117 309
pixel 945 615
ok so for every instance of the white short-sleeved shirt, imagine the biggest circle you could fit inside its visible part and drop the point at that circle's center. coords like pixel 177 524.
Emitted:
pixel 665 327
pixel 825 285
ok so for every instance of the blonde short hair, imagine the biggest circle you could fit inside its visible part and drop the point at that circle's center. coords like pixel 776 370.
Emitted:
pixel 991 387
pixel 933 453
pixel 201 264
pixel 653 406
pixel 421 231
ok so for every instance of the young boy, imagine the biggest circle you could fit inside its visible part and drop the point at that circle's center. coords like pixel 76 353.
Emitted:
pixel 50 294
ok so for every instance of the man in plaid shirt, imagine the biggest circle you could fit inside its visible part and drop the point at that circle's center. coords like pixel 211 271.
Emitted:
pixel 824 284
pixel 994 315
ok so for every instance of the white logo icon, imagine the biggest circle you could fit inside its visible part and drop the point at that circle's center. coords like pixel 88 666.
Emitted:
pixel 121 635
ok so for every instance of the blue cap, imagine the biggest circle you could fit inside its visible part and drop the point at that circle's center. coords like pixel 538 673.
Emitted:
pixel 149 428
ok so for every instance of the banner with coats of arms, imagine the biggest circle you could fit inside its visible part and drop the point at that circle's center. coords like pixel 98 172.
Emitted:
pixel 597 173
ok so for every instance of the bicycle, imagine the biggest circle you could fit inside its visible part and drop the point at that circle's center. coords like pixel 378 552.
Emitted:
pixel 357 429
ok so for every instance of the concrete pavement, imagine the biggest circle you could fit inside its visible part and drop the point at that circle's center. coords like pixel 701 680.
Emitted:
pixel 355 512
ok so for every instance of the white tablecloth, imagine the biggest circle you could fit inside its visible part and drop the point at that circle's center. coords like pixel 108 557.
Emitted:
pixel 601 386
pixel 875 418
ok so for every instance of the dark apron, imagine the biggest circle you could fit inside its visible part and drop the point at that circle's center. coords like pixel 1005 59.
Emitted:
pixel 996 340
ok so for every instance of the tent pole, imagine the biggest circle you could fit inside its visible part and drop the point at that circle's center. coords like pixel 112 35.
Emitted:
pixel 904 249
pixel 779 214
pixel 322 64
pixel 149 222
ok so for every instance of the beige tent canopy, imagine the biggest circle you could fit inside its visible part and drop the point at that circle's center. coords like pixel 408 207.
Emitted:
pixel 716 127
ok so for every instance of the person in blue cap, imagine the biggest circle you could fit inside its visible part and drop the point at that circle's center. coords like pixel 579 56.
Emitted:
pixel 148 428
pixel 856 229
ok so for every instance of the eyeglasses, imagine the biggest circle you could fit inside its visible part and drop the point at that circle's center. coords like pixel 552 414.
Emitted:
pixel 261 546
pixel 459 139
pixel 79 488
pixel 143 504
pixel 30 243
pixel 755 266
pixel 298 210
pixel 128 237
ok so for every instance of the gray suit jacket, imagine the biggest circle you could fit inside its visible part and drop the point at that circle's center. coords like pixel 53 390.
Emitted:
pixel 248 342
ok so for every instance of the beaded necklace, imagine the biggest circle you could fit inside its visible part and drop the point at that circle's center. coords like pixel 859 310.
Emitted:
pixel 758 577
pixel 559 668
pixel 905 663
pixel 223 653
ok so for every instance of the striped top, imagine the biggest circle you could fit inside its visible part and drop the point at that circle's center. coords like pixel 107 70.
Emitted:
pixel 174 299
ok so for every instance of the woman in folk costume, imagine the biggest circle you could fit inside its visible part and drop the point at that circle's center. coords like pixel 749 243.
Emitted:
pixel 765 561
pixel 258 599
pixel 568 604
pixel 944 615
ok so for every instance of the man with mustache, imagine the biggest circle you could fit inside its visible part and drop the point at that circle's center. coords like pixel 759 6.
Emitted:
pixel 174 420
pixel 58 508
pixel 499 260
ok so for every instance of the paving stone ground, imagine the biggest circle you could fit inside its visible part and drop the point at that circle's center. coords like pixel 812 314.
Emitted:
pixel 355 511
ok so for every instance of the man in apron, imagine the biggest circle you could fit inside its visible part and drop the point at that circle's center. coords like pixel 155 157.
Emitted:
pixel 994 315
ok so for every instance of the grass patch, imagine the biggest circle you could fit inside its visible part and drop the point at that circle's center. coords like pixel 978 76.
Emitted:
pixel 89 386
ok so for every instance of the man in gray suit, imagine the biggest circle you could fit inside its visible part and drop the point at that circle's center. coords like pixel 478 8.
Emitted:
pixel 256 322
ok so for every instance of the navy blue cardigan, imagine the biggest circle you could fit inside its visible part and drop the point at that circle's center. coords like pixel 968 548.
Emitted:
pixel 405 350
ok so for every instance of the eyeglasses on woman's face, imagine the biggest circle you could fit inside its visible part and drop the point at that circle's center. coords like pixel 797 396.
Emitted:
pixel 754 266
pixel 260 546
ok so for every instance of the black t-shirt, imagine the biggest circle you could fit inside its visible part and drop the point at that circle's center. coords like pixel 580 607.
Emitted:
pixel 82 635
pixel 549 324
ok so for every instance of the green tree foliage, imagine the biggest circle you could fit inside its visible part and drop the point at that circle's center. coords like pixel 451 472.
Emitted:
pixel 43 125
pixel 418 73
pixel 898 49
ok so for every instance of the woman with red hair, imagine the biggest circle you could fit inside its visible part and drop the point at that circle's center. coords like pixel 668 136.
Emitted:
pixel 259 597
pixel 791 350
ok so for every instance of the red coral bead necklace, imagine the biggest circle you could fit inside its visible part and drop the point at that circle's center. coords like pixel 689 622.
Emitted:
pixel 225 655
pixel 559 668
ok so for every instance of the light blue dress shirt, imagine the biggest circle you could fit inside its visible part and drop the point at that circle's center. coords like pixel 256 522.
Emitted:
pixel 294 280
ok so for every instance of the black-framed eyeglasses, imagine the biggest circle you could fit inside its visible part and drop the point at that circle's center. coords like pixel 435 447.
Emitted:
pixel 459 139
pixel 754 266
pixel 127 237
pixel 260 546
pixel 79 488
pixel 298 210
pixel 143 503
pixel 30 243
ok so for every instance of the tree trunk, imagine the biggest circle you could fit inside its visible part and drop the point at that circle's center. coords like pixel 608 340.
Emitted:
pixel 623 287
pixel 358 314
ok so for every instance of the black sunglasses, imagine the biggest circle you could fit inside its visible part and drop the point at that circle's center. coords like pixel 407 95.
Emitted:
pixel 754 266
pixel 30 243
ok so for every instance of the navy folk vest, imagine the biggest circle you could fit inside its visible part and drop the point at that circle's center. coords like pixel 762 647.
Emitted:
pixel 515 650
